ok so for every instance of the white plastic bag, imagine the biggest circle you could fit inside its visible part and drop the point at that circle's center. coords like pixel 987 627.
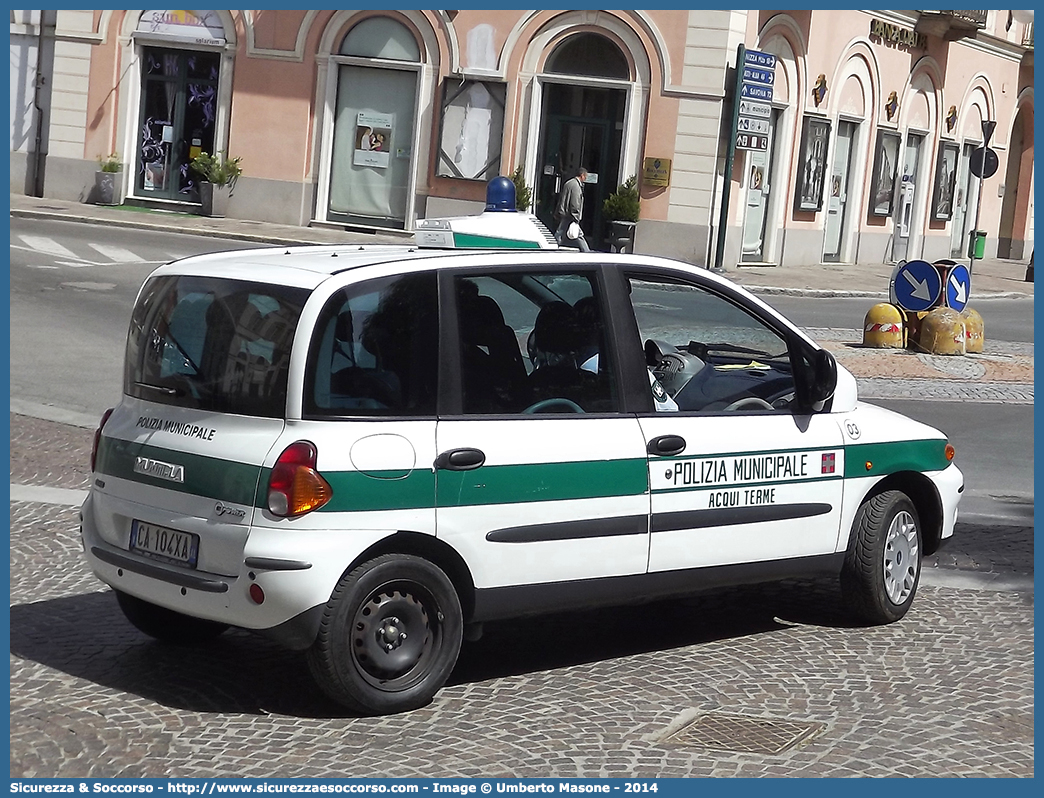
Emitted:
pixel 573 231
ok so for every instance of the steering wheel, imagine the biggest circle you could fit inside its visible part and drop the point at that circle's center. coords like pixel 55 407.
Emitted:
pixel 558 401
pixel 749 402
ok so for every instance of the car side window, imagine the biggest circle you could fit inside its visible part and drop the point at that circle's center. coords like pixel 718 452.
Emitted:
pixel 533 343
pixel 375 350
pixel 707 354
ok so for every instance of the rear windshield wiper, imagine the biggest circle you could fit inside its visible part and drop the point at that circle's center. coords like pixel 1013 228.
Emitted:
pixel 161 388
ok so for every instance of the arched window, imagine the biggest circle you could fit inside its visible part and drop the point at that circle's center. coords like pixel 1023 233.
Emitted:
pixel 380 37
pixel 589 54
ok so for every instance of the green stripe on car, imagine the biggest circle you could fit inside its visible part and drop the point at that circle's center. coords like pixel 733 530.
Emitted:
pixel 227 480
pixel 878 459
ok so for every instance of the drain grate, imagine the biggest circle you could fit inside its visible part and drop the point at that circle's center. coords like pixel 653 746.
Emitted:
pixel 744 734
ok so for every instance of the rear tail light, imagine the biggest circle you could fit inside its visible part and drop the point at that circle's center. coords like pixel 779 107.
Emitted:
pixel 97 437
pixel 295 487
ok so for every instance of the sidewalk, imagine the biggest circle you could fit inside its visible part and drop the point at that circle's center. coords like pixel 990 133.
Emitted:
pixel 990 278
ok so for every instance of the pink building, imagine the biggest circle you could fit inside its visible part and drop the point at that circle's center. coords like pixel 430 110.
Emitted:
pixel 859 151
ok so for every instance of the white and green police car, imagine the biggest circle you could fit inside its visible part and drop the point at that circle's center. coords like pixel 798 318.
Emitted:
pixel 367 451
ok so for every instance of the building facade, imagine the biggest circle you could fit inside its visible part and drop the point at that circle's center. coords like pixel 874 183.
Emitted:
pixel 861 152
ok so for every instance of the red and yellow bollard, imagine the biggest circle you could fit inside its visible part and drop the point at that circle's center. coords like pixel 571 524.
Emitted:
pixel 883 327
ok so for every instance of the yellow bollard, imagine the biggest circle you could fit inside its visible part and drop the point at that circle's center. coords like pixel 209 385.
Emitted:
pixel 974 332
pixel 942 332
pixel 883 327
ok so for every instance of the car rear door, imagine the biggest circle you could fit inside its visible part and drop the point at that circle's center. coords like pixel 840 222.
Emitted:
pixel 540 477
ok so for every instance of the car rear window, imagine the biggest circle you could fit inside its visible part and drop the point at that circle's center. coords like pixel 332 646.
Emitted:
pixel 213 344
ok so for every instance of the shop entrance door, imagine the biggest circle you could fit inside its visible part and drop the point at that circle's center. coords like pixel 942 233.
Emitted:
pixel 837 196
pixel 574 140
pixel 177 122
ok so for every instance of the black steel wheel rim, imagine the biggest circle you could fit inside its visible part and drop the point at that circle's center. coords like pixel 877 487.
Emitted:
pixel 395 635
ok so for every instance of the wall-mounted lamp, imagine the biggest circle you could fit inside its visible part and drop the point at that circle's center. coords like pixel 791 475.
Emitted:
pixel 951 119
pixel 892 105
pixel 819 91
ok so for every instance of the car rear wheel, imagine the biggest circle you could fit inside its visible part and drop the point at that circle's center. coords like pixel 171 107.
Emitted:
pixel 389 637
pixel 167 625
pixel 883 563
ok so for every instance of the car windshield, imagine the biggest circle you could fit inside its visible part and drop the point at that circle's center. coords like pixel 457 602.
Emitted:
pixel 213 344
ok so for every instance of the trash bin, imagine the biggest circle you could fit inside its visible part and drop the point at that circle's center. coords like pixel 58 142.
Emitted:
pixel 977 244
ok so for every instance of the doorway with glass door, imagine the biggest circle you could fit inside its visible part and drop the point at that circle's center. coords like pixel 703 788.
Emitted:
pixel 837 193
pixel 905 221
pixel 760 164
pixel 177 120
pixel 582 127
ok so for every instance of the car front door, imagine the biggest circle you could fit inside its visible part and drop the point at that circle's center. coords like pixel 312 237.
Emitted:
pixel 739 471
pixel 540 477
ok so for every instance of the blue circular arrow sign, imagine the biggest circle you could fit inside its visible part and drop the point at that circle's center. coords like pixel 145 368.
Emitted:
pixel 958 286
pixel 917 285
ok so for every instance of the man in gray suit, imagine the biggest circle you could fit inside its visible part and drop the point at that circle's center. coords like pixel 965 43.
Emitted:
pixel 569 209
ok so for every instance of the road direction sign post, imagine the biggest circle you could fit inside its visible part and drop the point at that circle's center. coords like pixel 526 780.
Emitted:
pixel 917 286
pixel 984 163
pixel 751 124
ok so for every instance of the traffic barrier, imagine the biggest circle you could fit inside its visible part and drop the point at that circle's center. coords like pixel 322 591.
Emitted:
pixel 942 332
pixel 883 327
pixel 974 331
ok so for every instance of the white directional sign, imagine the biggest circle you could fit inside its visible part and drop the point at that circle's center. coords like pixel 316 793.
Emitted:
pixel 755 109
pixel 748 125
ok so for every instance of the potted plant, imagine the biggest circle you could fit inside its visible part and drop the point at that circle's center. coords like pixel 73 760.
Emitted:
pixel 621 209
pixel 108 186
pixel 218 175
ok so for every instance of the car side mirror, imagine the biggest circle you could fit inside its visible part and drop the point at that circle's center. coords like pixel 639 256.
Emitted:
pixel 824 379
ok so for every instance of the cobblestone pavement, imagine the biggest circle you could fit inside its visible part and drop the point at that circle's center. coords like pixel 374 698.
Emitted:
pixel 948 691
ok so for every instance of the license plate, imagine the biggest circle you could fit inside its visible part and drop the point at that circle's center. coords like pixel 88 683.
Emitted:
pixel 164 544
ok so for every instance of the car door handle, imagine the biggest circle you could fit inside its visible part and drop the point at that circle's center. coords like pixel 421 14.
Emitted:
pixel 460 459
pixel 667 445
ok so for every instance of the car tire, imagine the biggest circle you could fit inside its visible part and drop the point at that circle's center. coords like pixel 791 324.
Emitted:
pixel 167 625
pixel 883 563
pixel 389 636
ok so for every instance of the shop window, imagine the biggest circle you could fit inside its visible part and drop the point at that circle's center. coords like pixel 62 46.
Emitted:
pixel 472 129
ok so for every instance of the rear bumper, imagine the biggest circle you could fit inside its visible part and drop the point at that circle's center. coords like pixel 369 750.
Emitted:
pixel 295 589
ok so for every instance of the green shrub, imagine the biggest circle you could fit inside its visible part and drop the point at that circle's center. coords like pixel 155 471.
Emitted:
pixel 523 194
pixel 217 169
pixel 623 204
pixel 110 163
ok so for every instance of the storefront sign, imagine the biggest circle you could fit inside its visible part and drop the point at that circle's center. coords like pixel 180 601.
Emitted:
pixel 894 34
pixel 656 172
pixel 195 27
pixel 373 139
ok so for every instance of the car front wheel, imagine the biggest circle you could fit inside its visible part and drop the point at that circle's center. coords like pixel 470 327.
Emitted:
pixel 883 562
pixel 389 636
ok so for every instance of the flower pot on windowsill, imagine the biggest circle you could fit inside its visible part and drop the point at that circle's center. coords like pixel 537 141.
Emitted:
pixel 213 198
pixel 108 188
